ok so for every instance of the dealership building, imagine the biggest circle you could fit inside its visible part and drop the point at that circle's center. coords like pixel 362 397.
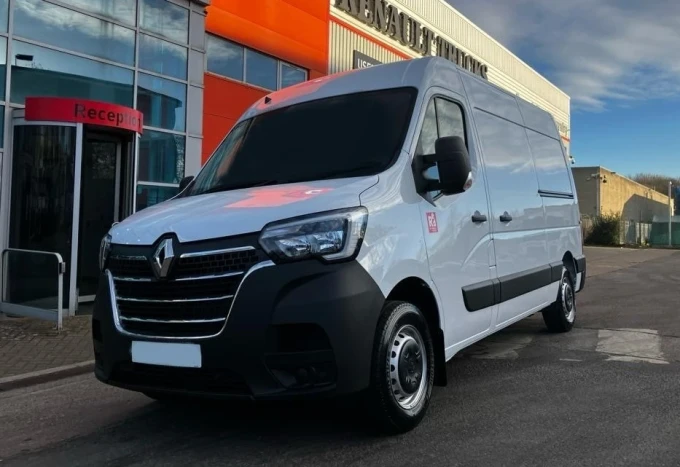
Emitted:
pixel 105 105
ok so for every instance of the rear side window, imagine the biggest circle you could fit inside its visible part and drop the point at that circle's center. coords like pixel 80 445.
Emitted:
pixel 551 166
pixel 442 118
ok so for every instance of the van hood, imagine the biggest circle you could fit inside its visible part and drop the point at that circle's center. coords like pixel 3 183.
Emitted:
pixel 237 212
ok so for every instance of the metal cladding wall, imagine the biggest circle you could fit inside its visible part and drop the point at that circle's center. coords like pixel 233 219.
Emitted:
pixel 348 34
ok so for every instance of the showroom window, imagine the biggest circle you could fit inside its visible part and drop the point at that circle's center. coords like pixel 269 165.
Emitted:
pixel 225 58
pixel 39 71
pixel 162 57
pixel 4 15
pixel 68 29
pixel 124 11
pixel 161 157
pixel 165 19
pixel 129 52
pixel 162 98
pixel 162 101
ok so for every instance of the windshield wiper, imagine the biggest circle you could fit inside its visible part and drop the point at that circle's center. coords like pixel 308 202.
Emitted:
pixel 239 186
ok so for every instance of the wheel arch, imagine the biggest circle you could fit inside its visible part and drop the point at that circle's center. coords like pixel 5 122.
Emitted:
pixel 570 263
pixel 417 292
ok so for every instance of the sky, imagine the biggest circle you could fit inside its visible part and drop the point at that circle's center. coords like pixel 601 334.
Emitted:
pixel 619 61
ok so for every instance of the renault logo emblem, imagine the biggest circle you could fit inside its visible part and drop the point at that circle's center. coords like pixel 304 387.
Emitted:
pixel 162 258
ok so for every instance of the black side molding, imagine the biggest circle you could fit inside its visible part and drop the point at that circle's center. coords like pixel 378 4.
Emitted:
pixel 556 271
pixel 482 295
pixel 555 194
pixel 495 291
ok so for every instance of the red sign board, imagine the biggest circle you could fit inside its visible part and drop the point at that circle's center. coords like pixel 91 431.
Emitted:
pixel 59 109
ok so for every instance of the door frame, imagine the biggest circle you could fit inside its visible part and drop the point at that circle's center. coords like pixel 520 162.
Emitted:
pixel 104 136
pixel 17 119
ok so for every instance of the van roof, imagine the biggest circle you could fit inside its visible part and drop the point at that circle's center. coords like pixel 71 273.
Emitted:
pixel 420 73
pixel 416 73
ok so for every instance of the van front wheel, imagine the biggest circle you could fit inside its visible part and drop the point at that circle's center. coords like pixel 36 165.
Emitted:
pixel 561 315
pixel 402 368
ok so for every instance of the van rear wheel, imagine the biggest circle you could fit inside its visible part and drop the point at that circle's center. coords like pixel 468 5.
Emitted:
pixel 402 368
pixel 561 315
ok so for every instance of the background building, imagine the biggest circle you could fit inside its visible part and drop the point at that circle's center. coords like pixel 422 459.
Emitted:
pixel 254 47
pixel 105 105
pixel 100 113
pixel 602 191
pixel 402 29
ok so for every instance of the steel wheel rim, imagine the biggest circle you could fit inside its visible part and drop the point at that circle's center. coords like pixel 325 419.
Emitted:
pixel 407 359
pixel 568 301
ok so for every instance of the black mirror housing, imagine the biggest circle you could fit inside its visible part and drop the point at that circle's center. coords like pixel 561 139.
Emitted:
pixel 186 181
pixel 453 162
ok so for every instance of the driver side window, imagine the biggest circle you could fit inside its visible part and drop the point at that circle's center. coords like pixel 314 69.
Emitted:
pixel 442 118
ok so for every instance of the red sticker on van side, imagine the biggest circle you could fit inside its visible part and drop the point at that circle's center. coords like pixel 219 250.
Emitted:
pixel 432 222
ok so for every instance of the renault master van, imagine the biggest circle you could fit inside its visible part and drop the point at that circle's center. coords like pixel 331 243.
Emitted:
pixel 349 235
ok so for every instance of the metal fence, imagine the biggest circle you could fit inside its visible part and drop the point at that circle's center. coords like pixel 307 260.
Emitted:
pixel 33 284
pixel 630 232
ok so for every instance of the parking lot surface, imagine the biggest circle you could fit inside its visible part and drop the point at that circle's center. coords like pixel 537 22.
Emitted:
pixel 604 394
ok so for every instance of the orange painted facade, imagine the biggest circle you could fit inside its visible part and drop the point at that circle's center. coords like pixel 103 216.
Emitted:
pixel 295 31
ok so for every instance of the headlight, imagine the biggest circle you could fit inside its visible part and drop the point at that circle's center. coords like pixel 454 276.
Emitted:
pixel 104 250
pixel 330 236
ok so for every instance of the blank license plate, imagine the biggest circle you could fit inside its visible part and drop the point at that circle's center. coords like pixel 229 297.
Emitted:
pixel 167 354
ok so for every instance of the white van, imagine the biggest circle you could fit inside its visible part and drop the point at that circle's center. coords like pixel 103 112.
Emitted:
pixel 349 235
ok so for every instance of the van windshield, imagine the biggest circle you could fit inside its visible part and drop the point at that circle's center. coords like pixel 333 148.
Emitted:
pixel 345 136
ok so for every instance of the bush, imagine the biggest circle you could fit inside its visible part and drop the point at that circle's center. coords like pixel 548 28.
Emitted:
pixel 606 230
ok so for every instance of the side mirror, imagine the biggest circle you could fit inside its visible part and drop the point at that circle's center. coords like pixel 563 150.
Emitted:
pixel 186 181
pixel 453 163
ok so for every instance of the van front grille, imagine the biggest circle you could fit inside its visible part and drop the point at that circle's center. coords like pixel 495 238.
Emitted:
pixel 193 302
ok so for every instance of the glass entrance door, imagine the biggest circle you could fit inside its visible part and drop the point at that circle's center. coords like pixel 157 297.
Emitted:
pixel 99 205
pixel 44 169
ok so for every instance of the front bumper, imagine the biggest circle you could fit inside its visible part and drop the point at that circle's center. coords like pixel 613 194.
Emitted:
pixel 294 330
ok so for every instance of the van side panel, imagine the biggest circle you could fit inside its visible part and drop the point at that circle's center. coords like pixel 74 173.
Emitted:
pixel 488 98
pixel 393 247
pixel 517 219
pixel 538 120
pixel 551 166
pixel 559 200
pixel 445 77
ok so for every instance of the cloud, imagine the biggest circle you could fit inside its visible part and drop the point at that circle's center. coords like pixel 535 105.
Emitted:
pixel 598 52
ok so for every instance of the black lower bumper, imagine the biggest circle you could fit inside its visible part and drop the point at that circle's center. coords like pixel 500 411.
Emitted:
pixel 294 330
pixel 581 268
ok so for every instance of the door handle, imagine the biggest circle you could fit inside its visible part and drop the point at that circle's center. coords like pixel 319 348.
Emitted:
pixel 478 218
pixel 505 217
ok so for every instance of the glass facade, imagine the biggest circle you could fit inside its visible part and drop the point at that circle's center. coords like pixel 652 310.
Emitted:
pixel 234 61
pixel 129 52
pixel 134 53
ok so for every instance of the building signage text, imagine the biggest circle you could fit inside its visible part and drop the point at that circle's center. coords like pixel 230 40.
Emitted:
pixel 364 61
pixel 59 109
pixel 387 19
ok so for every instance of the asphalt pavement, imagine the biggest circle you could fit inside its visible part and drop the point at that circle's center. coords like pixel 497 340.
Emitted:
pixel 605 394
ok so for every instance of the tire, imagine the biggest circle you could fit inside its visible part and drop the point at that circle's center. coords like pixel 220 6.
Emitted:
pixel 402 370
pixel 561 315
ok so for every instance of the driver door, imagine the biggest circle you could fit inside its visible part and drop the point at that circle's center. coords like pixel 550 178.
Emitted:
pixel 457 230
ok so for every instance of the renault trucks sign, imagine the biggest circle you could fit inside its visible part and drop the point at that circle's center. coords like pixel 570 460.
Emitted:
pixel 399 26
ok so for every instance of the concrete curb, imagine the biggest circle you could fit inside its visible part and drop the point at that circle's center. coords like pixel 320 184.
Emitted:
pixel 45 376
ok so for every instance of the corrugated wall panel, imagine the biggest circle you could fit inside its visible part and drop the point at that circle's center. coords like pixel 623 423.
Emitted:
pixel 343 44
pixel 505 69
